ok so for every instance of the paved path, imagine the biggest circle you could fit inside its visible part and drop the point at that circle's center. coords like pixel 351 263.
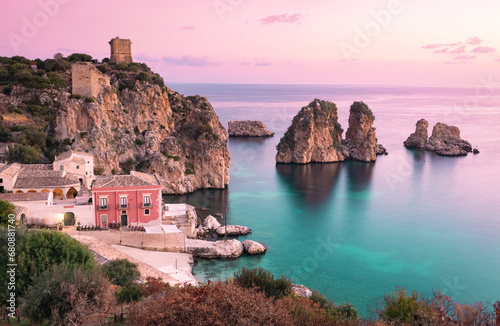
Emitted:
pixel 108 252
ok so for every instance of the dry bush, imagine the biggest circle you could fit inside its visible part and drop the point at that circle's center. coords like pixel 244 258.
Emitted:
pixel 214 304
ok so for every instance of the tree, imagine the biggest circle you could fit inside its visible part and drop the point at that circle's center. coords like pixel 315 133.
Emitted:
pixel 38 251
pixel 5 136
pixel 264 281
pixel 121 272
pixel 67 295
pixel 6 208
pixel 23 154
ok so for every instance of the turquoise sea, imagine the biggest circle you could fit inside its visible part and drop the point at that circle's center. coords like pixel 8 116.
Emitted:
pixel 353 230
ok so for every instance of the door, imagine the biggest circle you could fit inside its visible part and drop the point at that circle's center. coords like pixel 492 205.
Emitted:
pixel 69 219
pixel 124 218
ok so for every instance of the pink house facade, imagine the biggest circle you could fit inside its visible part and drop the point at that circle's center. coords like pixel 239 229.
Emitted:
pixel 132 200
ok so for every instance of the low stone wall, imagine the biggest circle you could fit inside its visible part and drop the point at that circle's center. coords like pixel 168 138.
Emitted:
pixel 173 242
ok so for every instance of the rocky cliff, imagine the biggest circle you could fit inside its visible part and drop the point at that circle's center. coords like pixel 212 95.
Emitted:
pixel 445 140
pixel 151 129
pixel 248 128
pixel 360 143
pixel 314 136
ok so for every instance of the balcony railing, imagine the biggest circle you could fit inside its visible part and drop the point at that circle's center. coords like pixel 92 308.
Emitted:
pixel 147 205
pixel 123 206
pixel 102 207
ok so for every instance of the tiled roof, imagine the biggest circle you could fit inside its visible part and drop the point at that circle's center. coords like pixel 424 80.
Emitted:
pixel 40 174
pixel 29 196
pixel 78 160
pixel 37 167
pixel 11 169
pixel 124 181
pixel 41 182
pixel 67 154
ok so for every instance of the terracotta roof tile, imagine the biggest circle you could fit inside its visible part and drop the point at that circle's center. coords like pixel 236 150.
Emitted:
pixel 29 196
pixel 45 182
pixel 11 169
pixel 124 181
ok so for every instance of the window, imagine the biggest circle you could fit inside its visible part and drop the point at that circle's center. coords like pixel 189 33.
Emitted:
pixel 86 173
pixel 78 167
pixel 104 219
pixel 61 167
pixel 147 201
pixel 103 202
pixel 123 202
pixel 1 180
pixel 146 211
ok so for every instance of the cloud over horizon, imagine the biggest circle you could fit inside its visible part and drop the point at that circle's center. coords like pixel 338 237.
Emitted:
pixel 187 60
pixel 483 49
pixel 290 19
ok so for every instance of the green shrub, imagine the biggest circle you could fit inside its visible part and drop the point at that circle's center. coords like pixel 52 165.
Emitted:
pixel 101 69
pixel 64 295
pixel 127 165
pixel 143 77
pixel 121 272
pixel 23 154
pixel 400 308
pixel 359 108
pixel 174 157
pixel 188 172
pixel 75 96
pixel 265 281
pixel 19 128
pixel 56 79
pixel 138 142
pixel 83 134
pixel 136 129
pixel 6 208
pixel 87 99
pixel 5 136
pixel 75 57
pixel 126 83
pixel 128 294
pixel 14 109
pixel 98 170
pixel 7 90
pixel 113 171
pixel 121 66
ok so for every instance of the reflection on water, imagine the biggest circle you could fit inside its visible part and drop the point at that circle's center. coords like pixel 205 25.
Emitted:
pixel 359 175
pixel 207 201
pixel 313 181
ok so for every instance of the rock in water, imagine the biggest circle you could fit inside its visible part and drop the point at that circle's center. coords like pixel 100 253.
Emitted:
pixel 248 129
pixel 314 136
pixel 211 223
pixel 360 143
pixel 301 291
pixel 445 140
pixel 419 138
pixel 233 230
pixel 253 247
pixel 218 249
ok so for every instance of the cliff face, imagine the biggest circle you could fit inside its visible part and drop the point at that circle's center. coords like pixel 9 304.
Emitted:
pixel 445 140
pixel 151 129
pixel 361 141
pixel 314 136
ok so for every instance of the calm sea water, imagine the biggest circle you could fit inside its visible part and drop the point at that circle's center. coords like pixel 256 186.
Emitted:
pixel 355 230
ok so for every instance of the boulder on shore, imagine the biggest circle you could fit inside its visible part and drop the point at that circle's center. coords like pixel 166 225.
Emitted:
pixel 253 247
pixel 211 223
pixel 248 128
pixel 301 291
pixel 360 142
pixel 218 249
pixel 233 230
pixel 445 140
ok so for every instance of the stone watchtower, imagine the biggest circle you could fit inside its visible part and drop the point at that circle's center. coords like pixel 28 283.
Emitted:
pixel 120 50
pixel 87 80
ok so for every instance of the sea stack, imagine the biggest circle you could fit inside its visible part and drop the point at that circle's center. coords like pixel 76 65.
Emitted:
pixel 314 136
pixel 445 140
pixel 360 143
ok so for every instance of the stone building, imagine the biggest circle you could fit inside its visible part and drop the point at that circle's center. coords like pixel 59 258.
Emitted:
pixel 87 80
pixel 120 50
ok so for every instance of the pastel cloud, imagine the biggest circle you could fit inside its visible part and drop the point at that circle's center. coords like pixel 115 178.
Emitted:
pixel 432 46
pixel 465 57
pixel 187 60
pixel 281 19
pixel 460 49
pixel 262 63
pixel 187 28
pixel 483 49
pixel 445 50
pixel 474 40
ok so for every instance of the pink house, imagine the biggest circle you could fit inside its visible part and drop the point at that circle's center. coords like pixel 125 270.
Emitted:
pixel 132 200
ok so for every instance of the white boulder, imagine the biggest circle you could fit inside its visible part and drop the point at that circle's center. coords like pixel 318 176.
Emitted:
pixel 253 247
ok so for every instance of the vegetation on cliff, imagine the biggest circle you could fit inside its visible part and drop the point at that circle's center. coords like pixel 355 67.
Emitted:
pixel 137 123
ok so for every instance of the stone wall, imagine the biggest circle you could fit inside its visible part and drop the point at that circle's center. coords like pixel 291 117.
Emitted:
pixel 120 50
pixel 87 80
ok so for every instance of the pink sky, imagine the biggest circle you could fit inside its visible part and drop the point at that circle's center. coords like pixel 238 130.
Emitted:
pixel 406 42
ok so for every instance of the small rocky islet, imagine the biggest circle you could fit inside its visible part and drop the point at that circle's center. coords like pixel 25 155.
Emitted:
pixel 444 141
pixel 315 135
pixel 248 128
